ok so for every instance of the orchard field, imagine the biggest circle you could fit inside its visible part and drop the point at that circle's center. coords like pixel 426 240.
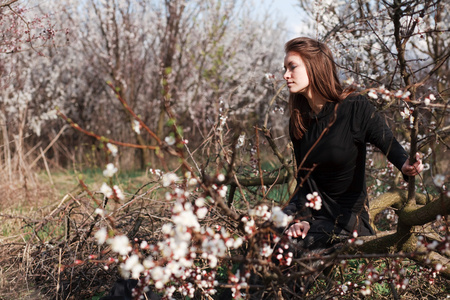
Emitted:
pixel 148 140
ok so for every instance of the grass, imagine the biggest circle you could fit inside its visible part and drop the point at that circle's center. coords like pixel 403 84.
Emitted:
pixel 354 277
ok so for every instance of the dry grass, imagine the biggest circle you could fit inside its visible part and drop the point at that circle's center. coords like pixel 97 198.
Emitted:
pixel 21 209
pixel 42 230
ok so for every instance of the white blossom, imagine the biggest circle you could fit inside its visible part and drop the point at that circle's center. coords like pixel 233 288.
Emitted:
pixel 119 193
pixel 112 148
pixel 266 250
pixel 349 81
pixel 366 291
pixel 169 178
pixel 237 243
pixel 137 126
pixel 148 263
pixel 261 211
pixel 155 172
pixel 137 270
pixel 133 264
pixel 279 218
pixel 101 235
pixel 406 113
pixel 405 283
pixel 241 140
pixel 159 285
pixel 439 180
pixel 399 93
pixel 314 201
pixel 223 120
pixel 186 218
pixel 157 273
pixel 144 245
pixel 166 228
pixel 372 94
pixel 433 245
pixel 170 140
pixel 249 226
pixel 106 190
pixel 192 182
pixel 110 170
pixel 120 244
pixel 222 191
pixel 100 212
pixel 269 76
pixel 200 202
pixel 202 212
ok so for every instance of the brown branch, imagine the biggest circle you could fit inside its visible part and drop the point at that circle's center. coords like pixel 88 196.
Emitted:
pixel 101 138
pixel 421 215
pixel 8 3
pixel 125 105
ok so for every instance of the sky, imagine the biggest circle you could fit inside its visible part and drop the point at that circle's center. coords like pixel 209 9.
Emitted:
pixel 290 10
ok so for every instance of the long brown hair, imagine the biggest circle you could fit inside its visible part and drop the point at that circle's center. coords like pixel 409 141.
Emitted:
pixel 323 80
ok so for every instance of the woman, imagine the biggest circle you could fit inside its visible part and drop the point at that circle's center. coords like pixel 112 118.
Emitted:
pixel 329 129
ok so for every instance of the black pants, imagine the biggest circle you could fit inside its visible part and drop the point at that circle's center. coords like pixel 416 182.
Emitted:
pixel 122 290
pixel 322 235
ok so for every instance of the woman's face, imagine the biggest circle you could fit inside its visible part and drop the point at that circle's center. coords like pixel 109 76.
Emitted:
pixel 295 75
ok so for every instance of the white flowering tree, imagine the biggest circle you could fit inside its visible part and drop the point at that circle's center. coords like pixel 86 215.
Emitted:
pixel 161 54
pixel 28 89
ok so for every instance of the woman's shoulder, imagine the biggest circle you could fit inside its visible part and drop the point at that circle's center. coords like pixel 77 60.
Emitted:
pixel 355 99
pixel 356 103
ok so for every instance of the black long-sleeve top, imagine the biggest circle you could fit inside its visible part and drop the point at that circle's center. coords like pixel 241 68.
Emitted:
pixel 339 175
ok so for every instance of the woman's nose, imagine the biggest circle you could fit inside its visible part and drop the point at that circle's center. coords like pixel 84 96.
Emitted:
pixel 286 75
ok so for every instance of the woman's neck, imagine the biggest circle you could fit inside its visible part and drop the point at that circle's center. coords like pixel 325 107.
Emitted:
pixel 316 102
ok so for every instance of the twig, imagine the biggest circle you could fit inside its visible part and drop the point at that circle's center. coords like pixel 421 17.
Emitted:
pixel 49 145
pixel 271 102
pixel 8 3
pixel 46 167
pixel 258 155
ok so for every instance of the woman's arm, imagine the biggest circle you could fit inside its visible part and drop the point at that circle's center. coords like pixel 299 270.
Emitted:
pixel 375 131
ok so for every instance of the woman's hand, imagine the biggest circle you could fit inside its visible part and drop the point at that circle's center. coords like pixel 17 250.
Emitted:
pixel 299 229
pixel 414 169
